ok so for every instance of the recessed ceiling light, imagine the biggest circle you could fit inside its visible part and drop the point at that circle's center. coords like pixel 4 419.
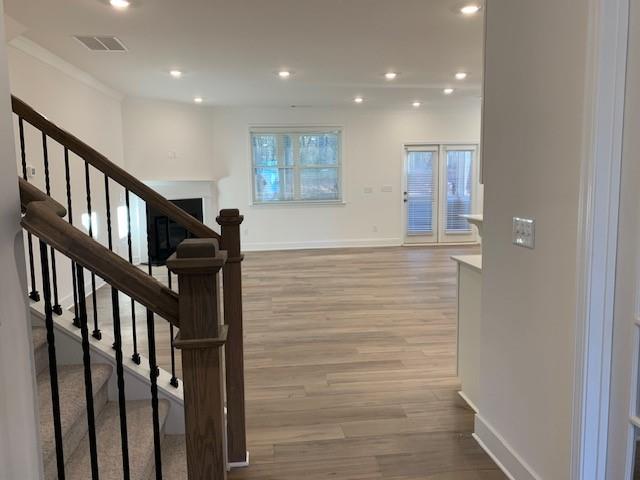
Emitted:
pixel 470 9
pixel 416 104
pixel 461 75
pixel 175 73
pixel 198 99
pixel 390 75
pixel 447 91
pixel 120 4
pixel 284 73
pixel 358 99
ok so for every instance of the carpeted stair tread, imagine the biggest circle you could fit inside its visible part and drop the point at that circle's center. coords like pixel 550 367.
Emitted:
pixel 72 406
pixel 174 457
pixel 140 441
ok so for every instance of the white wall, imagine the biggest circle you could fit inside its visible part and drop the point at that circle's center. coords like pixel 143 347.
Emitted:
pixel 167 140
pixel 84 108
pixel 19 443
pixel 533 138
pixel 373 142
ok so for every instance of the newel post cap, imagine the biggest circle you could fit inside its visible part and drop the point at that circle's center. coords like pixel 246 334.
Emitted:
pixel 229 217
pixel 197 256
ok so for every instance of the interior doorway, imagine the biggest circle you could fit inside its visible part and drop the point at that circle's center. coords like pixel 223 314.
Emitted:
pixel 440 185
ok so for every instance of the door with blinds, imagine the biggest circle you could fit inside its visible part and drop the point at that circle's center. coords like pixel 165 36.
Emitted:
pixel 421 194
pixel 440 187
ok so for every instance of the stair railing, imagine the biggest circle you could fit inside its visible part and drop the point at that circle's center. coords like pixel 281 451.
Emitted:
pixel 106 187
pixel 195 310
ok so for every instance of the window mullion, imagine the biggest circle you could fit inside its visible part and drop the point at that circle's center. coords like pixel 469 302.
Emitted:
pixel 296 166
pixel 280 153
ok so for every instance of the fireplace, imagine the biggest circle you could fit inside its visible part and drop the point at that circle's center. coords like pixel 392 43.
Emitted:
pixel 164 234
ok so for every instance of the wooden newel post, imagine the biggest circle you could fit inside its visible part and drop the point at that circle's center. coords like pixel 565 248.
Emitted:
pixel 230 221
pixel 197 263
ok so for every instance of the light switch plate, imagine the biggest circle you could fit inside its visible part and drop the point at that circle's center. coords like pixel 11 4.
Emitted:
pixel 386 188
pixel 524 232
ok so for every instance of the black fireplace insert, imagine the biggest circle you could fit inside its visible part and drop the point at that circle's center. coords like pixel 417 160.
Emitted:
pixel 165 235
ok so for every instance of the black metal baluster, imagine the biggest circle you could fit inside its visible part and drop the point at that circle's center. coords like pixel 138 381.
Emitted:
pixel 76 318
pixel 136 356
pixel 33 294
pixel 117 333
pixel 45 154
pixel 174 379
pixel 53 366
pixel 153 368
pixel 86 360
pixel 96 331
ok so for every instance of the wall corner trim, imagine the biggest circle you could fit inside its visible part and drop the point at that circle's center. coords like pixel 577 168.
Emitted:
pixel 35 50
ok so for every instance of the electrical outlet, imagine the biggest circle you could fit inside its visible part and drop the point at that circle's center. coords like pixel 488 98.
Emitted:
pixel 31 171
pixel 368 190
pixel 524 232
pixel 374 229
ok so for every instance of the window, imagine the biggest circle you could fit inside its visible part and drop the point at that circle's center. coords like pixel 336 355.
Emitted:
pixel 301 165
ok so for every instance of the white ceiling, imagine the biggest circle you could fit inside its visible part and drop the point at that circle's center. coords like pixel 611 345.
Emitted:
pixel 230 50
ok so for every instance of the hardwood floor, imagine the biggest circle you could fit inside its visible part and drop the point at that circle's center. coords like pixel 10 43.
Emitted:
pixel 350 366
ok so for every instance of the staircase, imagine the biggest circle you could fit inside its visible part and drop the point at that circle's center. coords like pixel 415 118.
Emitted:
pixel 74 425
pixel 106 412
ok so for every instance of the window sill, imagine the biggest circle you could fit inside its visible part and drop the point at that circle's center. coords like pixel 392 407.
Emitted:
pixel 318 203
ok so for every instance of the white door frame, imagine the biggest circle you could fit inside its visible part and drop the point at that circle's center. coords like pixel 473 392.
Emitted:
pixel 598 234
pixel 435 218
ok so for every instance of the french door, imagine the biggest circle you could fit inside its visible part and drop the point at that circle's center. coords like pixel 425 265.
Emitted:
pixel 440 183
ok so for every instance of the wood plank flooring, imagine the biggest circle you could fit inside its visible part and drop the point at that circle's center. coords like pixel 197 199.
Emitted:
pixel 350 366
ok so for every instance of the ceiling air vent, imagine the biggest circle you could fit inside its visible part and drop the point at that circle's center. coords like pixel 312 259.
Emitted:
pixel 101 43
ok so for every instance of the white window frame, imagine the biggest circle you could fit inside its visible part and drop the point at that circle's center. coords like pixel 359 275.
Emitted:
pixel 297 130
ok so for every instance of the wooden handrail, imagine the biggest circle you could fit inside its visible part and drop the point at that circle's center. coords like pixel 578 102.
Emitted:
pixel 30 193
pixel 42 221
pixel 102 163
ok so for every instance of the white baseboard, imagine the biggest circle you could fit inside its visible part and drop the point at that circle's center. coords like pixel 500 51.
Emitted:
pixel 468 401
pixel 312 244
pixel 505 457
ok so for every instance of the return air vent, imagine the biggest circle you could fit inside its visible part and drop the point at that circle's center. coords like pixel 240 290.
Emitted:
pixel 101 44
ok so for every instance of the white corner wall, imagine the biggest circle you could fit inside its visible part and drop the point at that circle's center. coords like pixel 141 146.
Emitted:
pixel 19 441
pixel 373 141
pixel 533 139
pixel 84 108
